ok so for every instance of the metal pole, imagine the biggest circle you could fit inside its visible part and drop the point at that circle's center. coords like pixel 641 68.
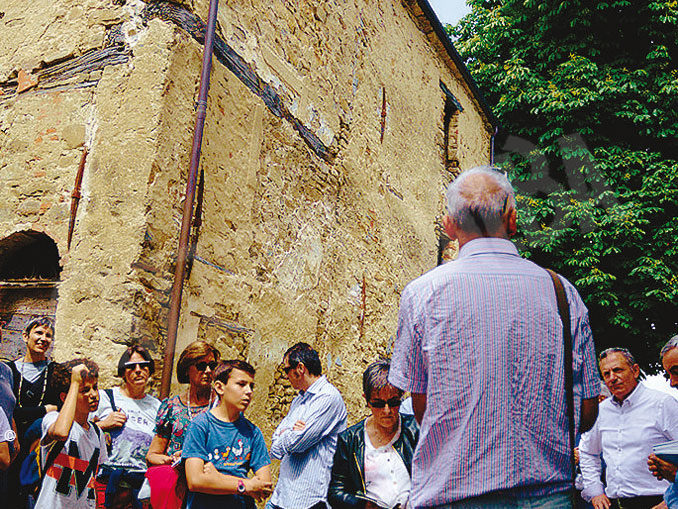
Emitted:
pixel 180 269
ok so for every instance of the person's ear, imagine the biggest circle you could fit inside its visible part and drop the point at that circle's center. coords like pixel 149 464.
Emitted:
pixel 62 397
pixel 219 387
pixel 636 371
pixel 511 222
pixel 450 227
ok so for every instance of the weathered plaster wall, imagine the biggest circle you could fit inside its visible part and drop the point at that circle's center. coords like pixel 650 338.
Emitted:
pixel 315 216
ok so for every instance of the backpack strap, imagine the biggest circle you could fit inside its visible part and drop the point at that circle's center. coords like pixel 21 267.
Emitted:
pixel 52 454
pixel 109 393
pixel 564 312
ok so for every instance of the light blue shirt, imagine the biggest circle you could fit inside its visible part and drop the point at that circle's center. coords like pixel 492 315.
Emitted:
pixel 307 455
pixel 482 338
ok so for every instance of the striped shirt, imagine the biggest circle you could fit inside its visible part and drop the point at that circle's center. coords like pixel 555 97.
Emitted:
pixel 307 455
pixel 482 338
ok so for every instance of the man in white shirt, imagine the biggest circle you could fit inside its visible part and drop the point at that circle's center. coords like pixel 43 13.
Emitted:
pixel 306 438
pixel 629 423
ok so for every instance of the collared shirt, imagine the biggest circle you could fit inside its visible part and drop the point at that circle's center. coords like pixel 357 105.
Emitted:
pixel 482 338
pixel 386 477
pixel 307 455
pixel 624 434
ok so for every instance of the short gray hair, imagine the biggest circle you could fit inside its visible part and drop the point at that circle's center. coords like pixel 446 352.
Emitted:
pixel 479 210
pixel 375 377
pixel 670 344
pixel 623 351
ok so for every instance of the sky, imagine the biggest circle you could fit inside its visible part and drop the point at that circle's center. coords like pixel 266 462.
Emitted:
pixel 449 11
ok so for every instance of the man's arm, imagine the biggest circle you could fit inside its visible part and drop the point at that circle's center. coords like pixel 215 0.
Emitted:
pixel 590 449
pixel 588 414
pixel 325 412
pixel 419 406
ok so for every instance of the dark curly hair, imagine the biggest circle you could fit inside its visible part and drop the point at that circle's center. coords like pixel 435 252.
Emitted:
pixel 61 377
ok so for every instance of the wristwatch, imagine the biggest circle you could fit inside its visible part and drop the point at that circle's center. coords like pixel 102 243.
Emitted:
pixel 241 487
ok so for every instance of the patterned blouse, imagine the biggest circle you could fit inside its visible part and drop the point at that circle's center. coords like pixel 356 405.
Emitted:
pixel 173 420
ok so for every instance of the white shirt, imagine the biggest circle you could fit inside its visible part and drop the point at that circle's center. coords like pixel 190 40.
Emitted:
pixel 386 477
pixel 624 434
pixel 129 443
pixel 69 482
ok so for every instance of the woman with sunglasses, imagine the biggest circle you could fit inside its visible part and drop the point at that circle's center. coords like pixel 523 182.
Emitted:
pixel 128 414
pixel 195 367
pixel 373 461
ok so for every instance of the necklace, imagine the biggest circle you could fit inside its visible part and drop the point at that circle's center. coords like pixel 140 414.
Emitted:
pixel 188 404
pixel 21 383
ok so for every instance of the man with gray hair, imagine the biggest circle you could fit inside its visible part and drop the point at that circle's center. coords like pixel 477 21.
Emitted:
pixel 480 347
pixel 663 469
pixel 630 423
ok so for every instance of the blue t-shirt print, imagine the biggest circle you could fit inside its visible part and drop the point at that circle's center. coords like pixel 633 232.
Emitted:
pixel 234 448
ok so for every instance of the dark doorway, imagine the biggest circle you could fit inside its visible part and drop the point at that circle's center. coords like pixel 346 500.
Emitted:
pixel 29 276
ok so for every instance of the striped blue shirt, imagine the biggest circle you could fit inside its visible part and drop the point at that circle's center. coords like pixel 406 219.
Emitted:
pixel 482 338
pixel 307 455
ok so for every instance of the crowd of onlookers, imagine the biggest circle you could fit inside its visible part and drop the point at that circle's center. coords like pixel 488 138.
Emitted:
pixel 496 352
pixel 69 444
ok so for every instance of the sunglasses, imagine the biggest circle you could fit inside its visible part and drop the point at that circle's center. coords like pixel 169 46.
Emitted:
pixel 380 403
pixel 287 369
pixel 141 364
pixel 203 365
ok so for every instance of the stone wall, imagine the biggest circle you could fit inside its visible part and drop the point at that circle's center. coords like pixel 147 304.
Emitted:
pixel 323 165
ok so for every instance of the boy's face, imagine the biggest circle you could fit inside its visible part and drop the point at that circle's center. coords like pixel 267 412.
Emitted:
pixel 88 396
pixel 237 392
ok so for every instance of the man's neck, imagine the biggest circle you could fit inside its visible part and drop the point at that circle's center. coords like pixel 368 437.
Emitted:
pixel 310 380
pixel 624 398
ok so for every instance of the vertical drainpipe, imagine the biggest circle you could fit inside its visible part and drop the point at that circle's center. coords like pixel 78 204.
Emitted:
pixel 180 269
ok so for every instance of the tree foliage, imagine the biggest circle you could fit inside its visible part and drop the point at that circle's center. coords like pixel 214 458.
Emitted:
pixel 587 94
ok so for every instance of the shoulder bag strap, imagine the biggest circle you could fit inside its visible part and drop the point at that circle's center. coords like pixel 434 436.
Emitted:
pixel 109 393
pixel 564 312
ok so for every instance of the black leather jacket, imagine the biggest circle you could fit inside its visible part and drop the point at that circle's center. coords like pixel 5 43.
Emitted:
pixel 348 471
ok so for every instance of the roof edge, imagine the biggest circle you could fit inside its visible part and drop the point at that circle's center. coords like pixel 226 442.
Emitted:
pixel 437 27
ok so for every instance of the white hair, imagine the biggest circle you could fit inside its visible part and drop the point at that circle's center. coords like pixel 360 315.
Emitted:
pixel 671 343
pixel 479 208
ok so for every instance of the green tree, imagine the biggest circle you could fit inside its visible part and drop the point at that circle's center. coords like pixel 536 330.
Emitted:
pixel 587 93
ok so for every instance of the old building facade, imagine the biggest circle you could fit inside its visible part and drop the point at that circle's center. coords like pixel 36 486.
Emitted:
pixel 332 128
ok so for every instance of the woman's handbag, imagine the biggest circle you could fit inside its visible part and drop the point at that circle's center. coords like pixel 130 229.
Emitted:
pixel 168 486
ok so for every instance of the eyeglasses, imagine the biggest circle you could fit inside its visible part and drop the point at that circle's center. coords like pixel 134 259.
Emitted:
pixel 287 369
pixel 135 365
pixel 380 403
pixel 203 365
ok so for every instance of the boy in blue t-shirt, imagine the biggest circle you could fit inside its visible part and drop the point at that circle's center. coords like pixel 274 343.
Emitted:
pixel 222 446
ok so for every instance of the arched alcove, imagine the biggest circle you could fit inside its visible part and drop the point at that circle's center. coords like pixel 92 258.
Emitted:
pixel 29 277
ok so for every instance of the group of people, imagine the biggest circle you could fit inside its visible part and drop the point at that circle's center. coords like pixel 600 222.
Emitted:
pixel 496 352
pixel 123 448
